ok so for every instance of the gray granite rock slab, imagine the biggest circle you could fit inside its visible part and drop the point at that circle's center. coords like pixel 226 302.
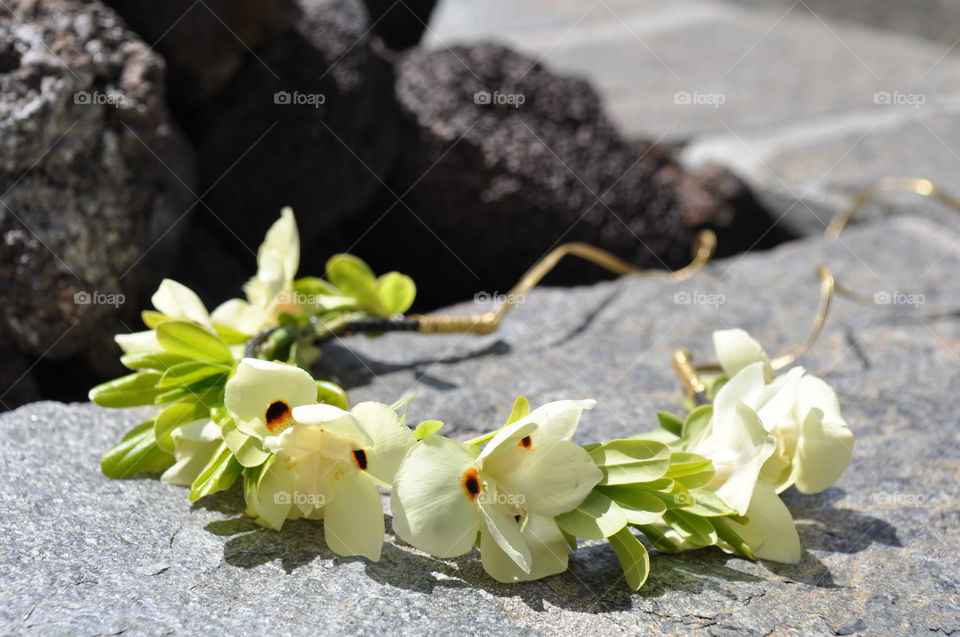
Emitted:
pixel 85 555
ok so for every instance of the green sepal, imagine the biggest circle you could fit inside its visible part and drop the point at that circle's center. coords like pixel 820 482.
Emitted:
pixel 332 394
pixel 728 535
pixel 159 361
pixel 247 449
pixel 633 557
pixel 152 319
pixel 628 461
pixel 138 451
pixel 219 474
pixel 426 428
pixel 127 391
pixel 670 422
pixel 597 517
pixel 194 342
pixel 521 409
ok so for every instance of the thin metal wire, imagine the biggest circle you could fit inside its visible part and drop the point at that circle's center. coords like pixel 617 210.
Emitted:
pixel 704 246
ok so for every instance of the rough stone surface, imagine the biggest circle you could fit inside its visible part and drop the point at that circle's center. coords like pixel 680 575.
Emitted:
pixel 205 43
pixel 491 184
pixel 400 23
pixel 87 555
pixel 311 122
pixel 94 178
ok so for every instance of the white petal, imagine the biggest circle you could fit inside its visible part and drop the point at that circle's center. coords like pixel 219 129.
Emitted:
pixel 770 531
pixel 283 239
pixel 558 420
pixel 431 509
pixel 815 392
pixel 145 341
pixel 548 552
pixel 823 453
pixel 736 349
pixel 180 302
pixel 271 502
pixel 552 477
pixel 391 439
pixel 746 386
pixel 259 384
pixel 353 521
pixel 506 440
pixel 241 316
pixel 502 526
pixel 738 446
pixel 775 404
pixel 335 420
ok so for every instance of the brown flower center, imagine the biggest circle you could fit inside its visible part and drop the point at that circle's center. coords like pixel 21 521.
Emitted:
pixel 278 416
pixel 471 483
pixel 360 457
pixel 526 443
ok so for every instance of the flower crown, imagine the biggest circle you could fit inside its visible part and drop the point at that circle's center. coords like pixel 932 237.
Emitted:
pixel 234 403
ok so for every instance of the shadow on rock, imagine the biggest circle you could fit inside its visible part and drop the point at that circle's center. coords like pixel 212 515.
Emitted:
pixel 834 529
pixel 350 369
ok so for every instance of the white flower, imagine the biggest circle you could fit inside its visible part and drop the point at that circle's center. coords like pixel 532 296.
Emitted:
pixel 270 291
pixel 175 301
pixel 325 466
pixel 193 445
pixel 447 492
pixel 814 443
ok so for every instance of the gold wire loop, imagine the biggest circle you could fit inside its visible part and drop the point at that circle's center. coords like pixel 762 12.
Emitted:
pixel 916 185
pixel 689 374
pixel 704 246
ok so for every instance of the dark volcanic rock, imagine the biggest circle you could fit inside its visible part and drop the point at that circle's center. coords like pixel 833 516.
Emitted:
pixel 206 42
pixel 506 159
pixel 400 23
pixel 311 122
pixel 93 178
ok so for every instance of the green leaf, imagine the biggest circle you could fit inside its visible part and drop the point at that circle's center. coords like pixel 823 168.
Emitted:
pixel 231 336
pixel 629 461
pixel 699 479
pixel 160 361
pixel 138 451
pixel 396 291
pixel 659 538
pixel 707 504
pixel 185 374
pixel 426 428
pixel 633 557
pixel 332 394
pixel 571 540
pixel 697 421
pixel 219 474
pixel 693 528
pixel 728 535
pixel 194 342
pixel 640 507
pixel 314 285
pixel 127 391
pixel 670 422
pixel 354 278
pixel 686 463
pixel 597 517
pixel 175 416
pixel 521 409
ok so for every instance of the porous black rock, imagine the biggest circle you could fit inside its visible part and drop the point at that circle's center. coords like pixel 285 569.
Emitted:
pixel 401 23
pixel 94 179
pixel 504 160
